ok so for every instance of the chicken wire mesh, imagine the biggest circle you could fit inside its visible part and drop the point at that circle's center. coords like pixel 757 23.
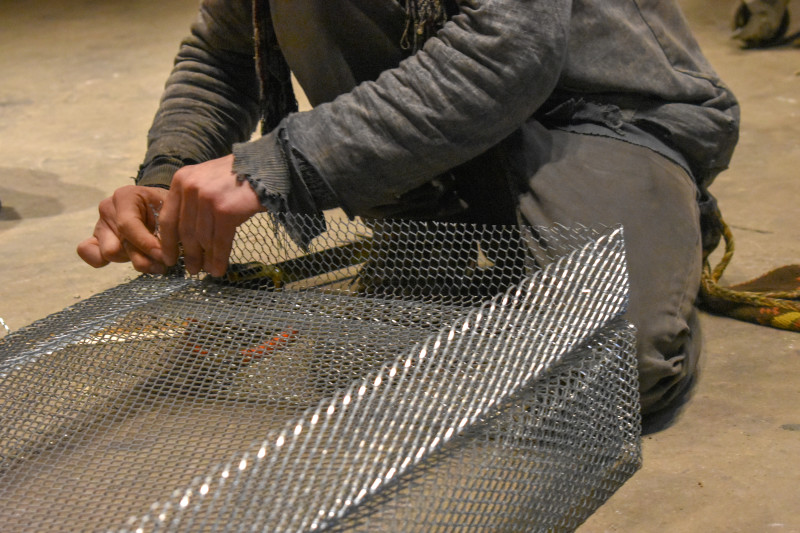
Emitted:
pixel 393 376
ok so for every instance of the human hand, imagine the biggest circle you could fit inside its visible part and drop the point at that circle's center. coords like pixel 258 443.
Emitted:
pixel 205 205
pixel 124 231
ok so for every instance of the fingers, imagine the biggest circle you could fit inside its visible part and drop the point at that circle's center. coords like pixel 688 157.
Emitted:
pixel 212 233
pixel 124 231
pixel 202 210
pixel 168 224
pixel 216 262
pixel 203 228
pixel 105 245
pixel 204 206
pixel 135 210
pixel 179 222
pixel 141 262
pixel 190 229
pixel 135 221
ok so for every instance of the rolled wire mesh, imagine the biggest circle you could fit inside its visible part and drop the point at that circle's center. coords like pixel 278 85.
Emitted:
pixel 394 376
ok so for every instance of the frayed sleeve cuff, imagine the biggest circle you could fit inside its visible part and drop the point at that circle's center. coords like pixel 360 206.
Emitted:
pixel 267 166
pixel 263 165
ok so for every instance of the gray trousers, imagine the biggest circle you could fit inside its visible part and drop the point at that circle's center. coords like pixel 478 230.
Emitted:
pixel 585 179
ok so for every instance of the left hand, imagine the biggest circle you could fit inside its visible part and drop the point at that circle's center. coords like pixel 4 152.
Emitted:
pixel 205 205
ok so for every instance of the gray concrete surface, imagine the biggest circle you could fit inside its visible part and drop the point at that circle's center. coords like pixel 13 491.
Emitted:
pixel 81 80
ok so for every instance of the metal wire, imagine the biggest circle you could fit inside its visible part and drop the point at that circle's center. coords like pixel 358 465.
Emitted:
pixel 395 376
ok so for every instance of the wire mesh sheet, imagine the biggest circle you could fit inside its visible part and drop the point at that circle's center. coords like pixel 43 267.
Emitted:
pixel 394 376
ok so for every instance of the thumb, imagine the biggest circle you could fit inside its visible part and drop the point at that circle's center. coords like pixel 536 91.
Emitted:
pixel 89 251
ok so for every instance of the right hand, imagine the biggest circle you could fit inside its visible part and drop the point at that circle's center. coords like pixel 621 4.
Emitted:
pixel 205 205
pixel 124 231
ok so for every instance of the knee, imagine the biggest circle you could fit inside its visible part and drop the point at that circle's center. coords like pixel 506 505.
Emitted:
pixel 667 355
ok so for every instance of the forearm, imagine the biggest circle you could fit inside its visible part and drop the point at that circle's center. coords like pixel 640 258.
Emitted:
pixel 210 100
pixel 487 71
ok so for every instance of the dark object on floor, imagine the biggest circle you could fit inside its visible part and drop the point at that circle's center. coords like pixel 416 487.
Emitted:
pixel 762 23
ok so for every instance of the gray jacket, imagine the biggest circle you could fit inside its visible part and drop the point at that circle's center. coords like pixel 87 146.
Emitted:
pixel 387 123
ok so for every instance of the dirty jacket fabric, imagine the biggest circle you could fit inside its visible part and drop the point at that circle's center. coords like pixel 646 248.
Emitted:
pixel 387 122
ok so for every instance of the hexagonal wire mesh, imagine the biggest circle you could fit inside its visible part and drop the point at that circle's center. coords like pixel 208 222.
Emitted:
pixel 394 376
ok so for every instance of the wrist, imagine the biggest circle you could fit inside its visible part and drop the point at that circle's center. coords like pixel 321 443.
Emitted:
pixel 158 171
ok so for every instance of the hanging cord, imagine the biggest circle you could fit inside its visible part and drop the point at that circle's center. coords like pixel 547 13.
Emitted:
pixel 277 94
pixel 771 300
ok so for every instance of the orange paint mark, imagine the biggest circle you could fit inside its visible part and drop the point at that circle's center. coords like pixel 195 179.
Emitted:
pixel 197 349
pixel 278 341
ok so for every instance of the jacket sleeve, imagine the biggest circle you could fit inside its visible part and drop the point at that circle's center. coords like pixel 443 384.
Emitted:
pixel 486 72
pixel 211 97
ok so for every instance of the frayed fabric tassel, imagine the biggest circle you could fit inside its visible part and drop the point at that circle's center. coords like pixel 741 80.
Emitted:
pixel 423 19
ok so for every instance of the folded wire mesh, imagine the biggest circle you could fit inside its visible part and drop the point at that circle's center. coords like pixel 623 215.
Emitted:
pixel 394 376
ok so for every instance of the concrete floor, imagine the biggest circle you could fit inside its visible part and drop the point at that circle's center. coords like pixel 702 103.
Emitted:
pixel 81 81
